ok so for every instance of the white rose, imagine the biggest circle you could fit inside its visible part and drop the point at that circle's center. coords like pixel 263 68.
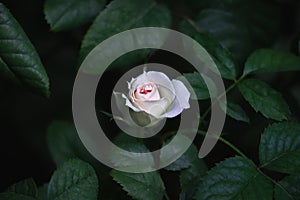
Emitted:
pixel 155 94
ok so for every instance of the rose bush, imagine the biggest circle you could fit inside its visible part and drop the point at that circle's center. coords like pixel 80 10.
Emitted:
pixel 154 94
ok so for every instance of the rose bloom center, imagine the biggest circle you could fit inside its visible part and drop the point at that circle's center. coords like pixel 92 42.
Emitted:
pixel 147 91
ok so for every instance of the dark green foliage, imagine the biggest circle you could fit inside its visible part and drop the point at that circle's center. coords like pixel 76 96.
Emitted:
pixel 236 112
pixel 239 25
pixel 146 186
pixel 191 176
pixel 288 188
pixel 18 59
pixel 75 180
pixel 198 85
pixel 66 15
pixel 253 44
pixel 25 189
pixel 221 56
pixel 122 15
pixel 270 60
pixel 64 143
pixel 235 178
pixel 264 99
pixel 279 148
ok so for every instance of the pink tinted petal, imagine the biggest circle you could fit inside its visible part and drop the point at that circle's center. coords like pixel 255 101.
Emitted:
pixel 130 105
pixel 142 93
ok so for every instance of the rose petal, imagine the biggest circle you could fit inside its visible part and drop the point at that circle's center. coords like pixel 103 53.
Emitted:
pixel 182 94
pixel 150 96
pixel 122 110
pixel 166 93
pixel 174 110
pixel 129 104
pixel 158 78
pixel 135 82
pixel 131 117
pixel 180 102
pixel 171 92
pixel 154 108
pixel 130 83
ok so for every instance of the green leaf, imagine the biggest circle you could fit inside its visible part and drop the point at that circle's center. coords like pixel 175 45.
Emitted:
pixel 264 99
pixel 221 56
pixel 279 148
pixel 63 142
pixel 25 187
pixel 270 60
pixel 7 73
pixel 235 178
pixel 66 15
pixel 122 15
pixel 190 177
pixel 23 190
pixel 198 85
pixel 125 160
pixel 289 188
pixel 142 186
pixel 130 143
pixel 60 140
pixel 150 183
pixel 18 58
pixel 185 161
pixel 75 180
pixel 221 24
pixel 13 196
pixel 240 33
pixel 236 112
